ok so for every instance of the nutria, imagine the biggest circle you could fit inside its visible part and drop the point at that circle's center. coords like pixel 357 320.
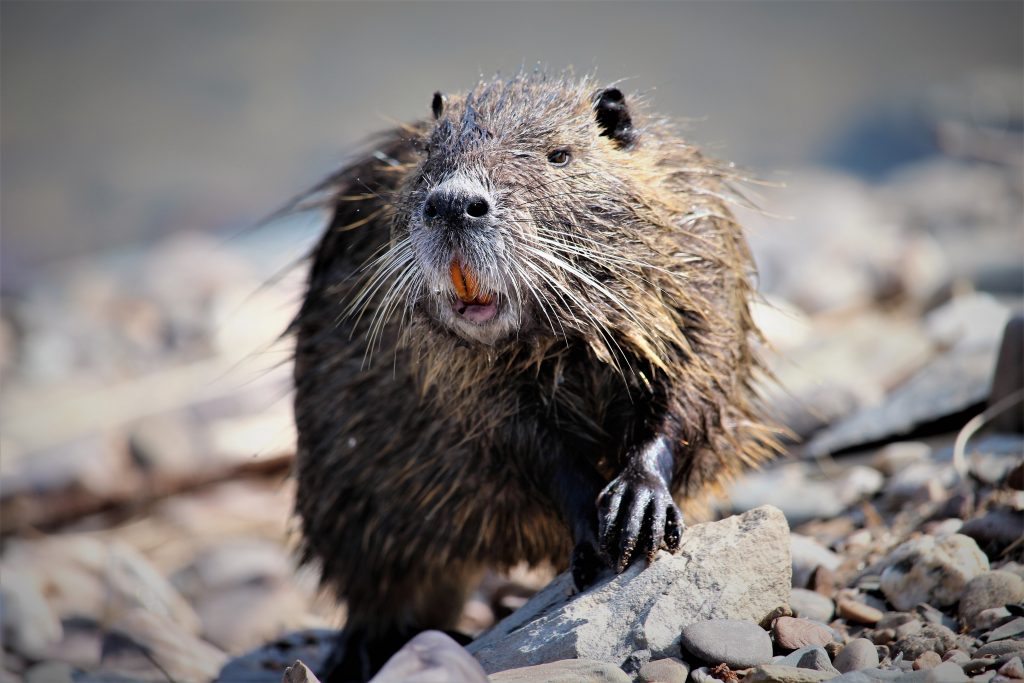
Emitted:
pixel 526 332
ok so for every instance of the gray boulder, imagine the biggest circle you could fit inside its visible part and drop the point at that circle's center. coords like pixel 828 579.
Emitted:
pixel 738 568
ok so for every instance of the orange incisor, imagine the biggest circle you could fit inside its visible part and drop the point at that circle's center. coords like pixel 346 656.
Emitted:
pixel 467 287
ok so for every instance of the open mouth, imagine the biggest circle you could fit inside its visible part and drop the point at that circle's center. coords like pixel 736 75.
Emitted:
pixel 471 304
pixel 477 311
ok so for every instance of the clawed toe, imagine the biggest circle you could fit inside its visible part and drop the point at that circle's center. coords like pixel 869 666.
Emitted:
pixel 637 517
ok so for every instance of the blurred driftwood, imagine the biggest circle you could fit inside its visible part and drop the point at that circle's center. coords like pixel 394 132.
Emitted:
pixel 26 512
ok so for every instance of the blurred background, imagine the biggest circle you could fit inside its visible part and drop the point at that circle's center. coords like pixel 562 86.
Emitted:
pixel 145 426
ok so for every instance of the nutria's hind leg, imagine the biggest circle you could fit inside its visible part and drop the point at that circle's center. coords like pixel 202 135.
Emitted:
pixel 379 625
pixel 357 655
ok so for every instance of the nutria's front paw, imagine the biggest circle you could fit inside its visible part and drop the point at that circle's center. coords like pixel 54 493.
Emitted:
pixel 637 516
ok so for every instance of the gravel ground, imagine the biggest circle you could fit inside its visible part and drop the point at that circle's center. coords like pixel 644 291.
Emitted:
pixel 147 436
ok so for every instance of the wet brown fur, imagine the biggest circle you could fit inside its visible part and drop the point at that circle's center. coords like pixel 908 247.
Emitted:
pixel 422 459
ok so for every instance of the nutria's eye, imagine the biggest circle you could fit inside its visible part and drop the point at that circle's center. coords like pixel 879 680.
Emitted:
pixel 559 157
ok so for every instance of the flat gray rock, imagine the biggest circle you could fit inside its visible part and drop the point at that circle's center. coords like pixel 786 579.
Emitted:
pixel 738 568
pixel 1008 630
pixel 567 671
pixel 740 644
pixel 950 384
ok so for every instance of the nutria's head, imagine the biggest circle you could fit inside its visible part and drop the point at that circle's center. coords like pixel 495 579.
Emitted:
pixel 540 206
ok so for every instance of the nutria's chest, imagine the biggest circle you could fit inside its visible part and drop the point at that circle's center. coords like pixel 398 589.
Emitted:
pixel 569 402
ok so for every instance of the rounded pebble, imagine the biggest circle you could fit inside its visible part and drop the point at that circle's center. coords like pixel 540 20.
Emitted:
pixel 927 660
pixel 931 637
pixel 895 619
pixel 988 619
pixel 974 666
pixel 859 653
pixel 810 657
pixel 947 672
pixel 989 590
pixel 996 530
pixel 931 570
pixel 669 670
pixel 1000 648
pixel 793 634
pixel 852 610
pixel 740 644
pixel 809 604
pixel 702 675
pixel 908 629
pixel 881 636
pixel 776 673
pixel 1013 668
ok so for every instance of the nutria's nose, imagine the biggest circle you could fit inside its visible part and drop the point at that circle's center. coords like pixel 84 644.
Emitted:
pixel 456 205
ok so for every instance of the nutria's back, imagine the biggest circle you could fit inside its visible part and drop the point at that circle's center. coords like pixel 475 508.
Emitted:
pixel 536 298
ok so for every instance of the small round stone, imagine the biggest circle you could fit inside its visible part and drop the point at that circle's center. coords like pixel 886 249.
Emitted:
pixel 769 619
pixel 740 644
pixel 908 629
pixel 947 671
pixel 989 590
pixel 702 675
pixel 793 634
pixel 669 670
pixel 895 619
pixel 1013 668
pixel 933 637
pixel 776 673
pixel 927 660
pixel 931 570
pixel 859 653
pixel 851 610
pixel 881 636
pixel 810 657
pixel 809 604
pixel 1000 648
pixel 664 671
pixel 988 619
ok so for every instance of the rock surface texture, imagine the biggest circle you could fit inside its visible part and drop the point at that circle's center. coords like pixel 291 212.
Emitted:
pixel 738 568
pixel 431 656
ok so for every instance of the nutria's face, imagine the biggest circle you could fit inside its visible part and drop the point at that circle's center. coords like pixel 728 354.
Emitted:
pixel 510 177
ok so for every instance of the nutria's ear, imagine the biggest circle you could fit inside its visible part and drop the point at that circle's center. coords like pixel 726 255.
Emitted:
pixel 613 117
pixel 437 104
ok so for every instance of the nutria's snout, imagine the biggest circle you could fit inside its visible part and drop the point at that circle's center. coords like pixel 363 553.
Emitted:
pixel 456 204
pixel 459 243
